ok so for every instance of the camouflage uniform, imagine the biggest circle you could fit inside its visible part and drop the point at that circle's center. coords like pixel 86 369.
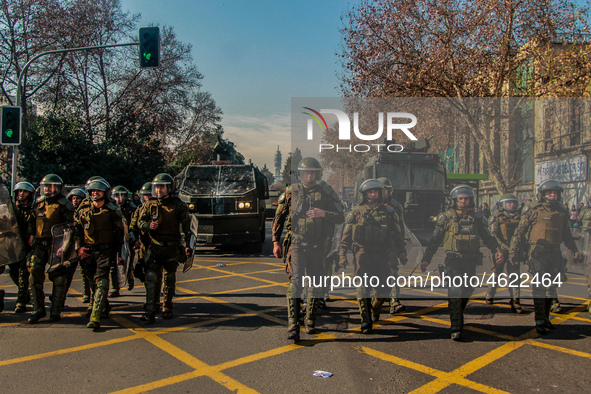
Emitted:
pixel 502 224
pixel 162 252
pixel 461 236
pixel 543 227
pixel 283 213
pixel 376 236
pixel 395 304
pixel 100 231
pixel 309 245
pixel 48 211
pixel 127 209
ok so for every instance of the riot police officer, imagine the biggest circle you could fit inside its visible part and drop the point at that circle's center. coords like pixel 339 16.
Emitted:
pixel 50 209
pixel 76 196
pixel 374 232
pixel 25 196
pixel 502 224
pixel 121 196
pixel 100 237
pixel 161 217
pixel 460 229
pixel 315 210
pixel 395 303
pixel 543 227
pixel 140 239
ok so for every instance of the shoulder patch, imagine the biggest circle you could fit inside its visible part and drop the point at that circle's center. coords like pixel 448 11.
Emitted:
pixel 281 198
pixel 441 219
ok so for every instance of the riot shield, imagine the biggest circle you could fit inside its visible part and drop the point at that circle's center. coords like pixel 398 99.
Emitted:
pixel 191 259
pixel 63 248
pixel 12 248
pixel 125 255
pixel 414 249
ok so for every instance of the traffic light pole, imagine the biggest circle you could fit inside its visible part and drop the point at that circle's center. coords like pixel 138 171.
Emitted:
pixel 19 88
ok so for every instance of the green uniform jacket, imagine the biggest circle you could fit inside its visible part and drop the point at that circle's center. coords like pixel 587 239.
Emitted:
pixel 172 215
pixel 445 221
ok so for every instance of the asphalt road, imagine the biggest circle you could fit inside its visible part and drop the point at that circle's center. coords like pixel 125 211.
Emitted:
pixel 229 334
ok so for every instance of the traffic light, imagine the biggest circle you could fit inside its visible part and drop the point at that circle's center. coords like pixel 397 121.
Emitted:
pixel 149 47
pixel 11 125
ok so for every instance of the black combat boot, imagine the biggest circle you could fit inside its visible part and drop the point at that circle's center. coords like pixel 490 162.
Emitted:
pixel 310 320
pixel 36 316
pixel 516 306
pixel 376 307
pixel 396 306
pixel 293 313
pixel 365 312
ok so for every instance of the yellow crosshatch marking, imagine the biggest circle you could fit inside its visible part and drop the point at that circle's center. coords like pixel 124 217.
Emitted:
pixel 441 381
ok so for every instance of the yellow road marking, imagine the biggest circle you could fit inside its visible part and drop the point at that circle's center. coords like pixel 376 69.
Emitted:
pixel 68 350
pixel 443 380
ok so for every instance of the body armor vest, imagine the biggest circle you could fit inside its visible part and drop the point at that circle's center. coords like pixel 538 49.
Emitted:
pixel 168 223
pixel 47 215
pixel 548 228
pixel 462 236
pixel 372 227
pixel 97 225
pixel 508 225
pixel 302 201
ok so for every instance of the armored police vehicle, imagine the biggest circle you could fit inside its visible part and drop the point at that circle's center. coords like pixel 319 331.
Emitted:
pixel 226 200
pixel 418 179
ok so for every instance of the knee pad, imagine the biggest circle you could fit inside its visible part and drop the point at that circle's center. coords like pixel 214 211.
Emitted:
pixel 151 276
pixel 103 283
pixel 170 278
pixel 61 280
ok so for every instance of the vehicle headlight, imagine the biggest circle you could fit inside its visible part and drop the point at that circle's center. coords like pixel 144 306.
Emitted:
pixel 244 205
pixel 191 207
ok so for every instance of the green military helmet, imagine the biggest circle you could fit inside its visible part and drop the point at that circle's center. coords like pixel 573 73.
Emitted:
pixel 27 186
pixel 386 182
pixel 76 192
pixel 98 184
pixel 547 186
pixel 509 202
pixel 96 178
pixel 162 180
pixel 371 184
pixel 51 185
pixel 309 164
pixel 462 191
pixel 146 190
pixel 120 194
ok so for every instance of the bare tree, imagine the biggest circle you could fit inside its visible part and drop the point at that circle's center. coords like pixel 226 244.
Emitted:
pixel 461 49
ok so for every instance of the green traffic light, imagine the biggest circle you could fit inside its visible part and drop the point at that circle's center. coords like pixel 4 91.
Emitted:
pixel 147 55
pixel 9 133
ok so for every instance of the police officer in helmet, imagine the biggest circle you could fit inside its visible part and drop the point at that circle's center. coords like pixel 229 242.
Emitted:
pixel 460 229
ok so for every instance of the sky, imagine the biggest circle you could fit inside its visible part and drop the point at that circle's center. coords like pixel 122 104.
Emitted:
pixel 255 56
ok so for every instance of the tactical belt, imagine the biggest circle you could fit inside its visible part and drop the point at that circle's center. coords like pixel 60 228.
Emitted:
pixel 170 243
pixel 96 248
